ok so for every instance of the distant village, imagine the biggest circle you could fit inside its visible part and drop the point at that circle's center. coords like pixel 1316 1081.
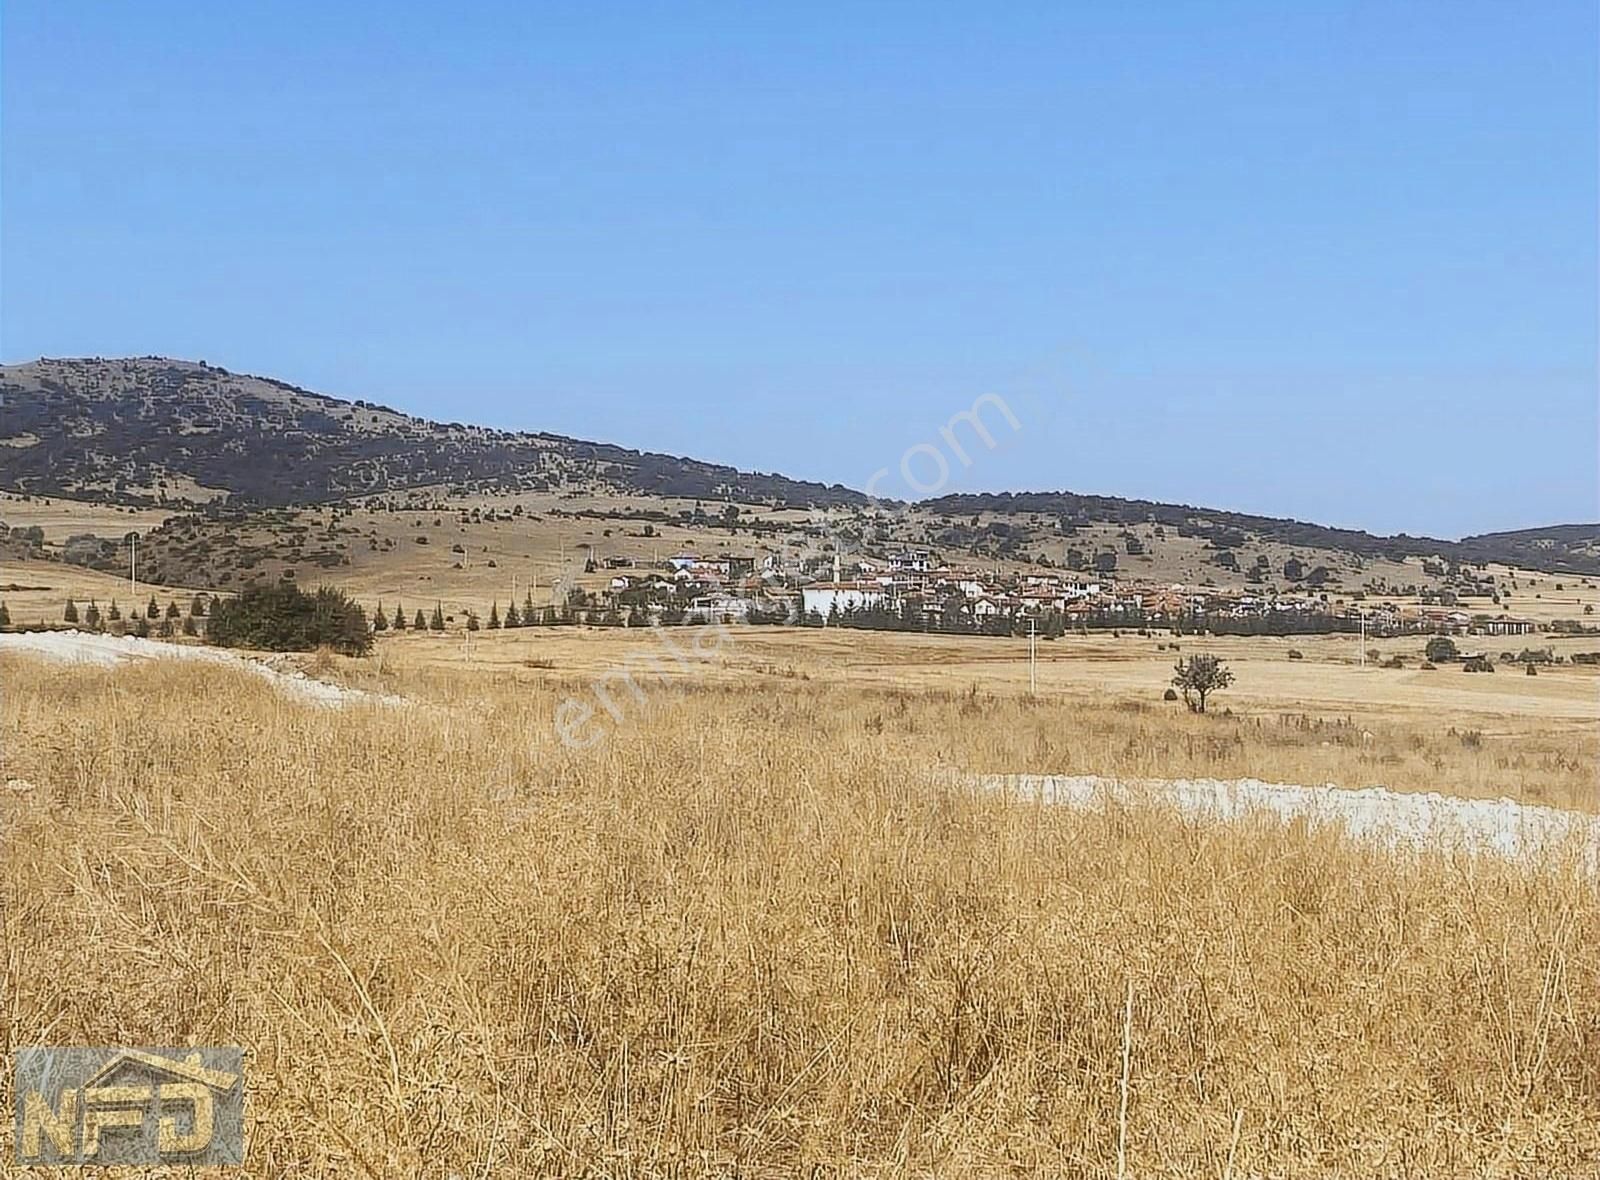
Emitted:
pixel 916 590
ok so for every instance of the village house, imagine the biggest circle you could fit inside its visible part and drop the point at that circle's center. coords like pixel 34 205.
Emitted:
pixel 824 597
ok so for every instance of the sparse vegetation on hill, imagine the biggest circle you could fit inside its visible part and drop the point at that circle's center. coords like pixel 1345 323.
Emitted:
pixel 150 430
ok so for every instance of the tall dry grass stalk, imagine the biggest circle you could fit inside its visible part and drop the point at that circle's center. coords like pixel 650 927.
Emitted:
pixel 750 935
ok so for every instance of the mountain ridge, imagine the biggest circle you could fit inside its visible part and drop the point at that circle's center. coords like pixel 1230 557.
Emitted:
pixel 159 430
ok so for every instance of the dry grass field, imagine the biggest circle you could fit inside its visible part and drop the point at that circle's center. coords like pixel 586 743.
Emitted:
pixel 1320 719
pixel 749 933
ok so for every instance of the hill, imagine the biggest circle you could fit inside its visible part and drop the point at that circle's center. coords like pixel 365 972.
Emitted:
pixel 178 434
pixel 1572 548
pixel 150 430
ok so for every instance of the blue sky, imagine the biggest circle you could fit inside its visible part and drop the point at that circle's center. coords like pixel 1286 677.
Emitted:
pixel 1332 261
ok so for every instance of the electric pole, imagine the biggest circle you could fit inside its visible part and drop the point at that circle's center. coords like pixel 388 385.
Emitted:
pixel 1033 658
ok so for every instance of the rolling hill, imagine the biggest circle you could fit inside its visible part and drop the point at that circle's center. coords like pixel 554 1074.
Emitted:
pixel 151 431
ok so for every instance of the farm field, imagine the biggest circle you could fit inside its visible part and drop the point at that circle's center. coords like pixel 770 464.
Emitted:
pixel 751 932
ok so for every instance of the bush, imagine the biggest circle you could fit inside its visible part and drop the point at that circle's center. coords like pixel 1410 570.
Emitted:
pixel 1479 664
pixel 284 617
pixel 1296 654
pixel 1441 649
pixel 1170 695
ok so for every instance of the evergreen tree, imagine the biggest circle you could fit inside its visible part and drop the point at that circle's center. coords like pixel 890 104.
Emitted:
pixel 172 611
pixel 420 623
pixel 142 628
pixel 153 611
pixel 115 612
pixel 512 619
pixel 165 630
pixel 197 606
pixel 494 616
pixel 399 618
pixel 437 622
pixel 5 615
pixel 527 609
pixel 91 616
pixel 71 615
pixel 380 621
pixel 283 617
pixel 189 627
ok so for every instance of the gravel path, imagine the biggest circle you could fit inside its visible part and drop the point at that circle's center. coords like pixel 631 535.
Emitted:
pixel 81 647
pixel 1396 819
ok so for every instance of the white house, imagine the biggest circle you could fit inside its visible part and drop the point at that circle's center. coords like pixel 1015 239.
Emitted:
pixel 823 597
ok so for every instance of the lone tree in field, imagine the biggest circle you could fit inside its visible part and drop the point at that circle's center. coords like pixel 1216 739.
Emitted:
pixel 1198 677
pixel 71 613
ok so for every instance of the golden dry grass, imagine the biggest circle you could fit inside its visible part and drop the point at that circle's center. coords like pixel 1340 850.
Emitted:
pixel 749 935
pixel 1317 720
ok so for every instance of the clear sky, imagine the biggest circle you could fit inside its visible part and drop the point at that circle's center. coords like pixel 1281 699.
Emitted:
pixel 1330 260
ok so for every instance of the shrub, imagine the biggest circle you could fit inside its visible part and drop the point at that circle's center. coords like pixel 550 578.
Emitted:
pixel 284 617
pixel 1441 649
pixel 1296 654
pixel 1170 695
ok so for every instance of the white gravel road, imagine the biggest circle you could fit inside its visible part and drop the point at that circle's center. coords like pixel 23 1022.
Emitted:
pixel 82 647
pixel 1396 819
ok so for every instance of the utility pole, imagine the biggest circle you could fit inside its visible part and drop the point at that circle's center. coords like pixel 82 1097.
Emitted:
pixel 1362 615
pixel 133 566
pixel 1033 658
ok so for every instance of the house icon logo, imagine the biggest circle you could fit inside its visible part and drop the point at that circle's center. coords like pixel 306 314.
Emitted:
pixel 83 1105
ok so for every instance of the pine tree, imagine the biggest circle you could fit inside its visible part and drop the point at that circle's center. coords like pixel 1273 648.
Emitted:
pixel 91 616
pixel 512 618
pixel 142 628
pixel 71 615
pixel 494 616
pixel 420 623
pixel 172 611
pixel 165 630
pixel 152 611
pixel 189 627
pixel 380 621
pixel 437 622
pixel 197 606
pixel 399 618
pixel 5 615
pixel 527 609
pixel 115 612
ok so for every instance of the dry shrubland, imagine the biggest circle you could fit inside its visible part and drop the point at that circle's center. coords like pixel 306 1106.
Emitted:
pixel 751 934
